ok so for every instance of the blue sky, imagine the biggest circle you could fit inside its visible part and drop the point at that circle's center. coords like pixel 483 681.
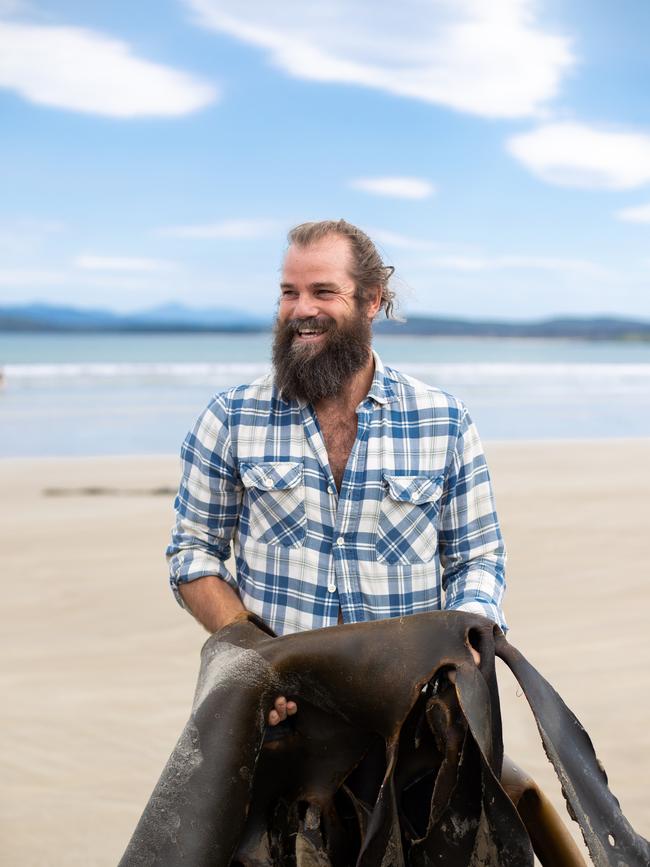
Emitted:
pixel 499 152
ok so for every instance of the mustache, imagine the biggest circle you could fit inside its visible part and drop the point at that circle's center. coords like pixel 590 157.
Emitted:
pixel 312 323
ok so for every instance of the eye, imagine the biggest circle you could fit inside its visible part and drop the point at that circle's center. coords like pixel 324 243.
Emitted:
pixel 322 292
pixel 288 293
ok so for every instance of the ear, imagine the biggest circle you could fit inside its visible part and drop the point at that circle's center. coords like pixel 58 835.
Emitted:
pixel 374 302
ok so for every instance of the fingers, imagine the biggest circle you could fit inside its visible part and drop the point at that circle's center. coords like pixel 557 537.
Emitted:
pixel 281 710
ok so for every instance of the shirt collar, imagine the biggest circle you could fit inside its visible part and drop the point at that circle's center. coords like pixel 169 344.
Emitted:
pixel 381 389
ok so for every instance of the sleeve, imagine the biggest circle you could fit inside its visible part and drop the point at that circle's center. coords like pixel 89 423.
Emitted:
pixel 472 553
pixel 208 502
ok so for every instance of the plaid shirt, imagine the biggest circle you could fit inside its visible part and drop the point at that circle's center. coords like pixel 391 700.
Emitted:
pixel 414 518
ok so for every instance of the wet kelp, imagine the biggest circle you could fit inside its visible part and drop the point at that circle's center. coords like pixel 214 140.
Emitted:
pixel 395 757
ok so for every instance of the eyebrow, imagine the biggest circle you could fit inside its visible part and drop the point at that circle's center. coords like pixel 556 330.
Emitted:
pixel 334 286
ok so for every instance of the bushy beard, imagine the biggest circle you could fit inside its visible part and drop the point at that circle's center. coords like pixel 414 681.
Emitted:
pixel 314 372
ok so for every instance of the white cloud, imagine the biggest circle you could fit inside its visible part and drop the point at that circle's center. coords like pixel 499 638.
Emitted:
pixel 501 263
pixel 468 260
pixel 395 187
pixel 223 230
pixel 487 58
pixel 28 277
pixel 24 235
pixel 90 262
pixel 82 70
pixel 638 214
pixel 576 155
pixel 74 285
pixel 398 240
pixel 121 282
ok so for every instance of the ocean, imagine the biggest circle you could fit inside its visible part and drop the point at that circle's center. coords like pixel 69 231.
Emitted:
pixel 101 394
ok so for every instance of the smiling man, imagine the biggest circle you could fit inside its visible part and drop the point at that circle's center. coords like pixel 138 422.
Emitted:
pixel 349 491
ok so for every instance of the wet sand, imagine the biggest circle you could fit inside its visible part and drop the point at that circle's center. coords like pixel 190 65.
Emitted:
pixel 99 663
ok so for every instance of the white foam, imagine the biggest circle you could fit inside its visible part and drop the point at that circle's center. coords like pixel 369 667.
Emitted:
pixel 471 372
pixel 236 372
pixel 224 664
pixel 135 370
pixel 161 818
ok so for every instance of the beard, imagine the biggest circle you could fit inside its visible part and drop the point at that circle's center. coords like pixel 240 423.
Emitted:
pixel 317 372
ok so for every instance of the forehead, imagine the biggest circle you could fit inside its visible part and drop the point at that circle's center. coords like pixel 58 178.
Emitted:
pixel 326 260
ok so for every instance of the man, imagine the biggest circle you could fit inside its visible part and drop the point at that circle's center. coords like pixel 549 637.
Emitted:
pixel 351 492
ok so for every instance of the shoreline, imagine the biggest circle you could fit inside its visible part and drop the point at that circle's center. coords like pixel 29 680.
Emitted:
pixel 99 663
pixel 489 444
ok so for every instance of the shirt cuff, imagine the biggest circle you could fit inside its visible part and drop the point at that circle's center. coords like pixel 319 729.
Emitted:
pixel 487 609
pixel 187 566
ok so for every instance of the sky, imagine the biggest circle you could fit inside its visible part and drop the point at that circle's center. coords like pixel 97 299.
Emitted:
pixel 158 152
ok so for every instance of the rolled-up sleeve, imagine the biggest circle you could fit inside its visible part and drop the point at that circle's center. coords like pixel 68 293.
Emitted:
pixel 208 502
pixel 472 552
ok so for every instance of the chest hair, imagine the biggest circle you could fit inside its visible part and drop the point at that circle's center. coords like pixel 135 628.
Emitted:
pixel 339 432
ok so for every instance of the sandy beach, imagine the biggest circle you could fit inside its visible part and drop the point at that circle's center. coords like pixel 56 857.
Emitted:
pixel 99 663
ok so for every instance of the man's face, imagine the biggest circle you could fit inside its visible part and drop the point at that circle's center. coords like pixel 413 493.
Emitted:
pixel 323 332
pixel 316 284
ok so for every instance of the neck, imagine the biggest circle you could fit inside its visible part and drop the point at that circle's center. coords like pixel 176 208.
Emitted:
pixel 352 393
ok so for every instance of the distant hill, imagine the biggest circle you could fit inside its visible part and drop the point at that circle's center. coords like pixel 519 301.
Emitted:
pixel 176 317
pixel 210 318
pixel 168 317
pixel 596 328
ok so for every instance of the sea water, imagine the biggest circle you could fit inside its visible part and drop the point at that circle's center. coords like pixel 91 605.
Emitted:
pixel 93 394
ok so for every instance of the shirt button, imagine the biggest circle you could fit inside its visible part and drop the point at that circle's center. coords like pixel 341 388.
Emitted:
pixel 340 541
pixel 331 588
pixel 267 483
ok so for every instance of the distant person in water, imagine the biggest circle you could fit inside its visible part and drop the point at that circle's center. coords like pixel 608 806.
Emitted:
pixel 348 490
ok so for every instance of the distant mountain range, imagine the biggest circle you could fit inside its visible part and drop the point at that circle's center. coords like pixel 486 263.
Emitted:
pixel 586 328
pixel 176 317
pixel 168 317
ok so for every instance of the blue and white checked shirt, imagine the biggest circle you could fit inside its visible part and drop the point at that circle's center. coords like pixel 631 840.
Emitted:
pixel 414 519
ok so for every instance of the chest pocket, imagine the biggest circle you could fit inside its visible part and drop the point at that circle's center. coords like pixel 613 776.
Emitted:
pixel 275 495
pixel 407 528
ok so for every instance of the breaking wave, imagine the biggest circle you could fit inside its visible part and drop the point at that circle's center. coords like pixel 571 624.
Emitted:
pixel 563 376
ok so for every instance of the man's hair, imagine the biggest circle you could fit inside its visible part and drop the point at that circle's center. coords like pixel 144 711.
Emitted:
pixel 368 270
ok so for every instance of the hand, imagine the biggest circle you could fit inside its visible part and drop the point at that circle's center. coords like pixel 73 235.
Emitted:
pixel 281 710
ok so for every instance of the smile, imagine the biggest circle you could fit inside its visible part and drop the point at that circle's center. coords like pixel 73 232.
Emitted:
pixel 309 335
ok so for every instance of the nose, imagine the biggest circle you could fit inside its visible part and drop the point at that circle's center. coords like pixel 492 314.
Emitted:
pixel 305 307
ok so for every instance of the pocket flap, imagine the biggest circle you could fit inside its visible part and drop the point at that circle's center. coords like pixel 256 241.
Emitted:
pixel 414 489
pixel 271 475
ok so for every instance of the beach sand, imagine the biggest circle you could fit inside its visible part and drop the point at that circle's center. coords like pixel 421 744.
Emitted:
pixel 99 663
